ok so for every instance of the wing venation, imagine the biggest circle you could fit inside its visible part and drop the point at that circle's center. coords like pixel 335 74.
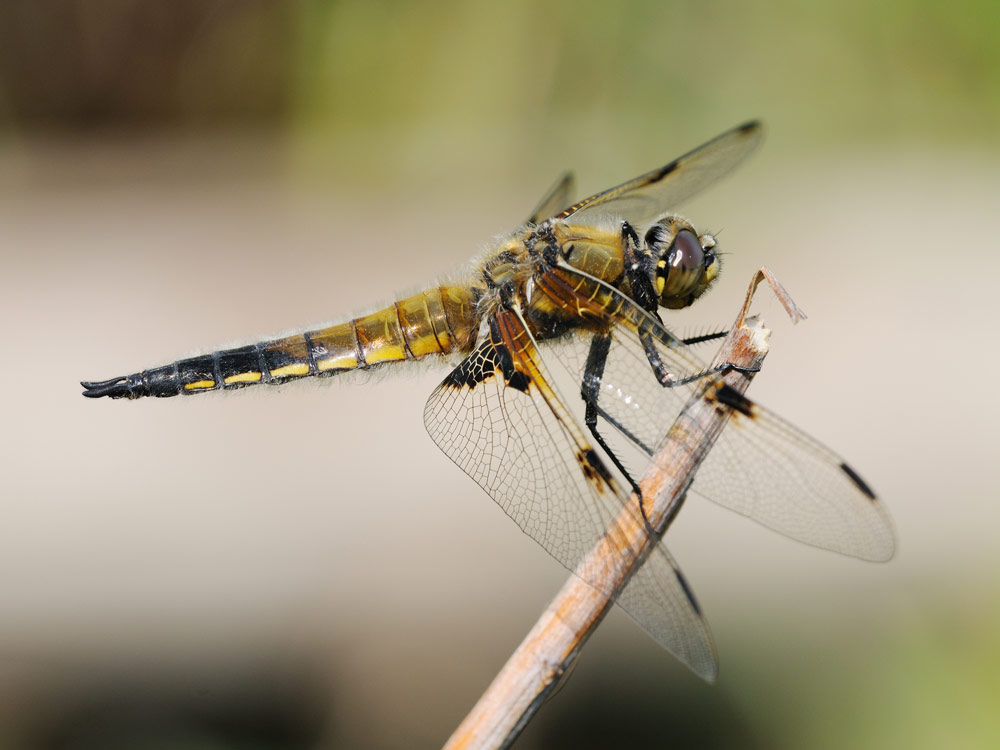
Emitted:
pixel 761 465
pixel 524 447
pixel 648 196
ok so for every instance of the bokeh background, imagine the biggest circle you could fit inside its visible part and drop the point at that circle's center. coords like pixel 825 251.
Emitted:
pixel 302 567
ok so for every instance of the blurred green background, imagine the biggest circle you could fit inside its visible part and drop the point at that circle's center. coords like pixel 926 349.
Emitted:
pixel 244 570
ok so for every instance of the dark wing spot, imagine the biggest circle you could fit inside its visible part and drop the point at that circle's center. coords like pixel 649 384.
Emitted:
pixel 729 396
pixel 462 377
pixel 667 169
pixel 594 460
pixel 483 364
pixel 513 377
pixel 519 381
pixel 687 591
pixel 594 469
pixel 858 481
pixel 474 369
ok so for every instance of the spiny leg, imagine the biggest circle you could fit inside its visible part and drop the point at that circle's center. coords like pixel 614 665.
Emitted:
pixel 701 339
pixel 649 339
pixel 600 345
pixel 695 340
pixel 722 369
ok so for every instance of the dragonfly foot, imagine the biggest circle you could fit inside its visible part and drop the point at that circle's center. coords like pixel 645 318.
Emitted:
pixel 729 367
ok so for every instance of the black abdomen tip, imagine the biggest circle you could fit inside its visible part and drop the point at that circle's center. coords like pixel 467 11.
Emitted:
pixel 132 386
pixel 115 388
pixel 160 382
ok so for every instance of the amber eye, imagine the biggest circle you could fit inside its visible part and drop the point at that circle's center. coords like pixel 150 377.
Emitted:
pixel 681 267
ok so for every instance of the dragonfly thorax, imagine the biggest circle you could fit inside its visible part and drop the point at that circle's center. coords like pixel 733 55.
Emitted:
pixel 504 277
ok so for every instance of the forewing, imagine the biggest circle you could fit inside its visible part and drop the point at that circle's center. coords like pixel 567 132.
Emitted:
pixel 645 198
pixel 499 418
pixel 760 466
pixel 556 199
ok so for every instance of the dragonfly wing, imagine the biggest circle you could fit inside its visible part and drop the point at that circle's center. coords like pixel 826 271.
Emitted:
pixel 556 199
pixel 760 466
pixel 648 196
pixel 498 416
pixel 659 598
pixel 495 419
pixel 771 471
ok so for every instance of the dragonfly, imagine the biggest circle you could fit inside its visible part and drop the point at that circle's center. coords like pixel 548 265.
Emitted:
pixel 579 289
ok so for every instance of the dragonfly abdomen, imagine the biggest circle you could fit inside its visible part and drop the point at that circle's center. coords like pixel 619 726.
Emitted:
pixel 438 321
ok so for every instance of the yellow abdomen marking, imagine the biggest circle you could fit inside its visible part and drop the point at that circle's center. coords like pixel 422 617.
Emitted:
pixel 288 370
pixel 244 377
pixel 380 337
pixel 384 353
pixel 335 348
pixel 199 385
pixel 336 363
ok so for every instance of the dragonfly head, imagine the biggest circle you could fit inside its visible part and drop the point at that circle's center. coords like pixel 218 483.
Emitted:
pixel 686 264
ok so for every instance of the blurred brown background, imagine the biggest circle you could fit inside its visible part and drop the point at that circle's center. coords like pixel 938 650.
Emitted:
pixel 246 571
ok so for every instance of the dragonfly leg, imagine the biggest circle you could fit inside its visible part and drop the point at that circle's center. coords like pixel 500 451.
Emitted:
pixel 705 337
pixel 728 367
pixel 663 376
pixel 638 272
pixel 600 345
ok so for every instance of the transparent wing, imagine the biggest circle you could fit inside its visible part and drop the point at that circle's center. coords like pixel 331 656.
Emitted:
pixel 499 418
pixel 659 598
pixel 761 466
pixel 556 199
pixel 645 198
pixel 772 472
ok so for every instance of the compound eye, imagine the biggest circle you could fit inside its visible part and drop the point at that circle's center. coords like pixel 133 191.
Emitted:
pixel 681 267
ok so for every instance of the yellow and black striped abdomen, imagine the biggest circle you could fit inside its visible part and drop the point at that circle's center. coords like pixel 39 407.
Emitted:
pixel 438 321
